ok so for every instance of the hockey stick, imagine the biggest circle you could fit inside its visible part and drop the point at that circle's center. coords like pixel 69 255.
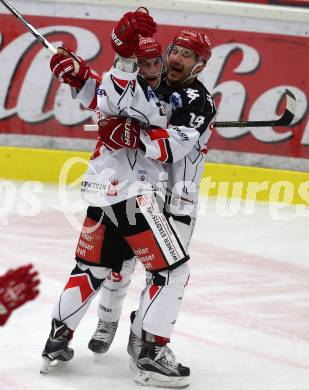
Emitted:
pixel 40 38
pixel 284 120
pixel 29 26
pixel 34 31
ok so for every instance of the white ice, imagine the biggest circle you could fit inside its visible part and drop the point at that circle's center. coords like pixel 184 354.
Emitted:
pixel 244 323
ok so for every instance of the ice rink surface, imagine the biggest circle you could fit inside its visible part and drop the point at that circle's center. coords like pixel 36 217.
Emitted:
pixel 244 323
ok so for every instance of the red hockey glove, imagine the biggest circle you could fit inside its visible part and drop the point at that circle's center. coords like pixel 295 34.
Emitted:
pixel 125 36
pixel 70 69
pixel 119 132
pixel 16 288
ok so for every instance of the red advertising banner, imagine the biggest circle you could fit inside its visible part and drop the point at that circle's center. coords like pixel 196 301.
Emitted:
pixel 248 73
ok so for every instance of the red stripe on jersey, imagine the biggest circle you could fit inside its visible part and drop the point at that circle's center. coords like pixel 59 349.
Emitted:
pixel 121 83
pixel 163 150
pixel 93 104
pixel 158 133
pixel 81 281
pixel 133 83
pixel 153 290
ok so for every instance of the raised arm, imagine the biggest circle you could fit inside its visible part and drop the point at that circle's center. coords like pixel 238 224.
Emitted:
pixel 117 88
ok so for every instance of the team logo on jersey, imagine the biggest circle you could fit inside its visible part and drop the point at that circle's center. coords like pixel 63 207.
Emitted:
pixel 192 94
pixel 99 114
pixel 176 101
pixel 142 175
pixel 101 92
pixel 151 95
pixel 112 188
pixel 143 201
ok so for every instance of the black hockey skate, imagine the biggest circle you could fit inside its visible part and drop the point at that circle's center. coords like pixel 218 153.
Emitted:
pixel 157 366
pixel 134 345
pixel 56 347
pixel 103 336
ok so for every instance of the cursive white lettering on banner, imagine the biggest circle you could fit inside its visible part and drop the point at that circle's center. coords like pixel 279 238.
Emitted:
pixel 220 55
pixel 233 98
pixel 267 105
pixel 35 86
pixel 305 138
pixel 34 90
pixel 233 93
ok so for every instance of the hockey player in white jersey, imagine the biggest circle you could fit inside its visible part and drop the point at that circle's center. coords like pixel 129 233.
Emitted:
pixel 115 286
pixel 183 182
pixel 107 230
pixel 88 274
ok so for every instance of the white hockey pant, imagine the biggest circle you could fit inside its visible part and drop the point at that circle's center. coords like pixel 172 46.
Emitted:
pixel 81 288
pixel 160 301
pixel 113 291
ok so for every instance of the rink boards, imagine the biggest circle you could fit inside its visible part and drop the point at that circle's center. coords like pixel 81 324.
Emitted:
pixel 222 180
pixel 249 42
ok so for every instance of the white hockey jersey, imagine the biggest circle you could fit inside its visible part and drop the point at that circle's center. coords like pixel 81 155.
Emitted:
pixel 116 176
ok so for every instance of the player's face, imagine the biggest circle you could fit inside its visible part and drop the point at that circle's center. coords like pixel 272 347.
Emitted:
pixel 179 64
pixel 150 69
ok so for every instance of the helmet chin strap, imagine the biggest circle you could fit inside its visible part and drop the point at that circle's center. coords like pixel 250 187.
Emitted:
pixel 192 74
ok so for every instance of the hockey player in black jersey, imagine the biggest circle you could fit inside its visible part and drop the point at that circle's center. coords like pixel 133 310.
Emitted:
pixel 188 103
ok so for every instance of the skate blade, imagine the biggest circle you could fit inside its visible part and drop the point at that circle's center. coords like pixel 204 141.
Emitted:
pixel 97 357
pixel 148 378
pixel 48 365
pixel 101 351
pixel 133 365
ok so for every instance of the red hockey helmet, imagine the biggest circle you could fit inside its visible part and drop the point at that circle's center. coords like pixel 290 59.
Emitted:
pixel 148 48
pixel 196 41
